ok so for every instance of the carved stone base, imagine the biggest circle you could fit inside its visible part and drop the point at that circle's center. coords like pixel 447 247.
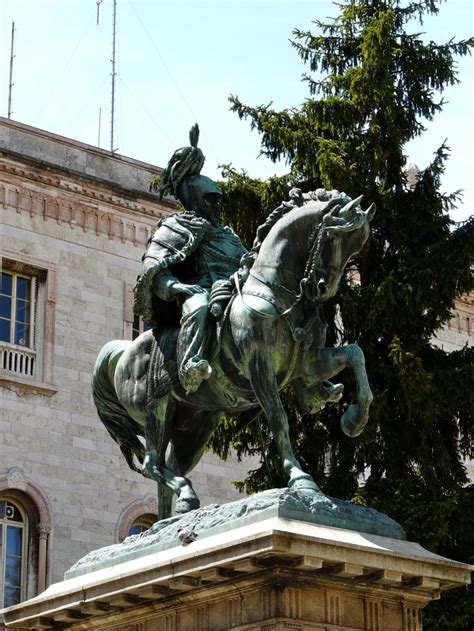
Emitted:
pixel 277 574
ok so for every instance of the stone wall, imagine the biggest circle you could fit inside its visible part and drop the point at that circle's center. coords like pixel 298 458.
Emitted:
pixel 459 330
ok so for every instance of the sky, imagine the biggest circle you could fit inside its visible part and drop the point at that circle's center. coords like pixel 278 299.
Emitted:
pixel 177 63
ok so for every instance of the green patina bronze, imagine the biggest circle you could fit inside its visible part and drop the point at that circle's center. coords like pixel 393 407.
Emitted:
pixel 230 329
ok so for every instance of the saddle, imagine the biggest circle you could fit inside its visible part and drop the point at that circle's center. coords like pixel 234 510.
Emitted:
pixel 162 374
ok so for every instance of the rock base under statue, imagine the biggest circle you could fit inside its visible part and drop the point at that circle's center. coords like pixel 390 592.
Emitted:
pixel 300 504
pixel 273 574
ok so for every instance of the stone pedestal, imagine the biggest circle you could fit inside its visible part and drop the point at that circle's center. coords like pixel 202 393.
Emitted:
pixel 276 574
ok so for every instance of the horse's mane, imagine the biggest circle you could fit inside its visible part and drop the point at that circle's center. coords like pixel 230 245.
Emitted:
pixel 309 210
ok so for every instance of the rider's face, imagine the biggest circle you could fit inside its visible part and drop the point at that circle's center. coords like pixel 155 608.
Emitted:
pixel 212 205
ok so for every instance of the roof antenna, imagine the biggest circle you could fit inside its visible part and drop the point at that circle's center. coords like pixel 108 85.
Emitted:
pixel 100 121
pixel 114 74
pixel 99 2
pixel 10 87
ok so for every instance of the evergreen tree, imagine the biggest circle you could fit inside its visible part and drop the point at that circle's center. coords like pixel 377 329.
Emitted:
pixel 378 83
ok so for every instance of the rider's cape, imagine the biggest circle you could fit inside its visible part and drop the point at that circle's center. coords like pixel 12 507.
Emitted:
pixel 175 239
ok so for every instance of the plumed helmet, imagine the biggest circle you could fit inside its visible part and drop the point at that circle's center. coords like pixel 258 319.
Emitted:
pixel 182 178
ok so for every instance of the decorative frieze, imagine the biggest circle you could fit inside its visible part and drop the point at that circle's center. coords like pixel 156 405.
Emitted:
pixel 77 214
pixel 333 608
pixel 80 207
pixel 201 617
pixel 97 192
pixel 234 611
pixel 169 622
pixel 412 618
pixel 373 615
pixel 293 602
pixel 267 603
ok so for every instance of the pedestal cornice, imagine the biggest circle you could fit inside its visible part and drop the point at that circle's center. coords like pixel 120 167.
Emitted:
pixel 330 571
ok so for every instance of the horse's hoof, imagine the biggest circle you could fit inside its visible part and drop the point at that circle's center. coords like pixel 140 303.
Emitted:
pixel 186 504
pixel 351 423
pixel 332 391
pixel 304 482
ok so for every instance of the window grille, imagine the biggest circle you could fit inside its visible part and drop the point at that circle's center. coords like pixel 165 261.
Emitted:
pixel 18 305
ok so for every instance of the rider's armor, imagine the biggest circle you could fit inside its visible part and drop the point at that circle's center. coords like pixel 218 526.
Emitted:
pixel 217 257
pixel 192 250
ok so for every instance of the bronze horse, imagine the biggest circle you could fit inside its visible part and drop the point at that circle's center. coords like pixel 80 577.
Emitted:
pixel 271 335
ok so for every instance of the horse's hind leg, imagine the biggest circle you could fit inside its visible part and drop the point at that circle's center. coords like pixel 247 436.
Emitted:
pixel 157 434
pixel 187 447
pixel 165 501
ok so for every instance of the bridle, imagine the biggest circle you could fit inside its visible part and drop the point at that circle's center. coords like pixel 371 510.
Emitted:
pixel 313 261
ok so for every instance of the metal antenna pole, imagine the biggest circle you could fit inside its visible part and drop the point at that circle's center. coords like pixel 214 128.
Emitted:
pixel 10 87
pixel 99 2
pixel 112 118
pixel 100 121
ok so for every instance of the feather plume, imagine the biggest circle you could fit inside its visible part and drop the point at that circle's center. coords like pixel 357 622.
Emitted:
pixel 194 135
pixel 184 163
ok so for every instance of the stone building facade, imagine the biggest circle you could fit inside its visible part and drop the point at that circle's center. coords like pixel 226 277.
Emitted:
pixel 74 223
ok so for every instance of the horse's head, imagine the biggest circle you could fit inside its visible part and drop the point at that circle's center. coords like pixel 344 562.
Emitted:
pixel 342 233
pixel 306 251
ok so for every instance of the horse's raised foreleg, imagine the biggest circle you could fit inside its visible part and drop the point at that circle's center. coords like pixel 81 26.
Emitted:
pixel 157 435
pixel 314 398
pixel 264 385
pixel 330 362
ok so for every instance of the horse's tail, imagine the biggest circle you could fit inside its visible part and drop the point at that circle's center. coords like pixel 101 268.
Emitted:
pixel 118 422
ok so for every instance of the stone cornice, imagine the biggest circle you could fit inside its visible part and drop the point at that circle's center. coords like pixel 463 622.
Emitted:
pixel 265 561
pixel 97 190
pixel 58 154
pixel 65 201
pixel 22 386
pixel 33 168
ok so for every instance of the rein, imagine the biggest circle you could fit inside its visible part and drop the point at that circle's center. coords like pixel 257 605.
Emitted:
pixel 316 239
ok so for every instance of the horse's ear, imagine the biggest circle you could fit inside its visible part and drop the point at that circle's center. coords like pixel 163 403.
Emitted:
pixel 370 212
pixel 346 211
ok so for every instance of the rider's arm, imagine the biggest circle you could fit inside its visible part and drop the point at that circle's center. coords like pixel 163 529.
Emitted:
pixel 164 286
pixel 168 287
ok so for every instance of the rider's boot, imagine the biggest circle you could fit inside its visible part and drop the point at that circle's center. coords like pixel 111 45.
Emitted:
pixel 192 342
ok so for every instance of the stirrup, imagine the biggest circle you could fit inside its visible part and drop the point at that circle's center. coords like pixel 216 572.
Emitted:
pixel 194 373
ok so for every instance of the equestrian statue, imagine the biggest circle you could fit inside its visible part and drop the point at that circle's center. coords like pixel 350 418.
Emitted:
pixel 229 329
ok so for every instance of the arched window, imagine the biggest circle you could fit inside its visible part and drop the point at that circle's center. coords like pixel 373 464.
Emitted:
pixel 25 525
pixel 13 540
pixel 137 517
pixel 141 524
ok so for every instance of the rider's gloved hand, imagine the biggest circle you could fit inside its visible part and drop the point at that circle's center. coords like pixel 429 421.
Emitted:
pixel 187 290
